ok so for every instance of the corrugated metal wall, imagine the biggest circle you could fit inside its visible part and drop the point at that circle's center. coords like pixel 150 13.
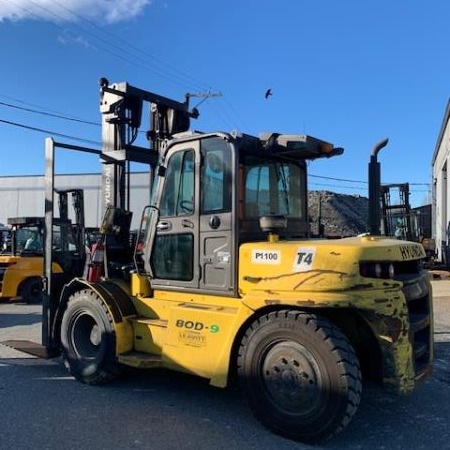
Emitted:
pixel 24 195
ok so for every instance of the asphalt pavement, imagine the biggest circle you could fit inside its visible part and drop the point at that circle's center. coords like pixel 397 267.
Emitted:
pixel 43 407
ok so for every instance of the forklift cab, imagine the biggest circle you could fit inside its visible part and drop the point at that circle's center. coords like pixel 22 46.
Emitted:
pixel 209 196
pixel 27 236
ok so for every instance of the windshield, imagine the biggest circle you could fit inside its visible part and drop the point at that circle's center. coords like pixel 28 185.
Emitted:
pixel 29 238
pixel 274 187
pixel 402 226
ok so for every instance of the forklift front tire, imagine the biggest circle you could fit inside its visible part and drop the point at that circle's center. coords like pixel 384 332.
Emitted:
pixel 300 375
pixel 31 290
pixel 88 339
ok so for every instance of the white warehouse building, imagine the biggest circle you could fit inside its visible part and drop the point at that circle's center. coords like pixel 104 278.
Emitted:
pixel 441 189
pixel 25 195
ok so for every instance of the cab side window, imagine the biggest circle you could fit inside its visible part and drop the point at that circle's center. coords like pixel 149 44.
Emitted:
pixel 216 177
pixel 178 195
pixel 173 254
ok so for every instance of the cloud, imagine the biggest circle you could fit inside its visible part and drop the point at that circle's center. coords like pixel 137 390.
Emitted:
pixel 68 37
pixel 60 11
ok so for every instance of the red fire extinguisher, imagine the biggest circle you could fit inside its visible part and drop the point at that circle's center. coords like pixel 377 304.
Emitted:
pixel 97 259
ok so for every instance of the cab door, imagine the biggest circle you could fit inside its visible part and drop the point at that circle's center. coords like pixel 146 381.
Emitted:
pixel 194 246
pixel 175 249
pixel 217 245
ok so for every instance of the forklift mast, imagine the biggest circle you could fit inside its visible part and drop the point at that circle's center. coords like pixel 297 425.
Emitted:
pixel 121 106
pixel 77 204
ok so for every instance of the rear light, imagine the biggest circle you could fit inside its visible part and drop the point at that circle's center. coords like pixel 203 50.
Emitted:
pixel 383 270
pixel 378 270
pixel 391 271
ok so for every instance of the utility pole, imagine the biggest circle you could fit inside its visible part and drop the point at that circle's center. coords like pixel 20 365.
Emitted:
pixel 204 95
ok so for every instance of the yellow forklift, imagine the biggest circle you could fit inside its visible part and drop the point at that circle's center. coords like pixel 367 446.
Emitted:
pixel 223 280
pixel 22 258
pixel 21 261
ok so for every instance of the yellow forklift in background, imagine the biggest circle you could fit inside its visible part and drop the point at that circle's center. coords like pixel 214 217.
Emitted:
pixel 21 263
pixel 22 258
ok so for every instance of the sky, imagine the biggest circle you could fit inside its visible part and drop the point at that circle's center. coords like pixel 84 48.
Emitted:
pixel 349 72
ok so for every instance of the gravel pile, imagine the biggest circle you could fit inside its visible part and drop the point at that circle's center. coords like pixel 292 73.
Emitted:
pixel 341 214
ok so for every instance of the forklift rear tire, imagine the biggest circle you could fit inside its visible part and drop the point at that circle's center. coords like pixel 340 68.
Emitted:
pixel 31 290
pixel 300 375
pixel 88 339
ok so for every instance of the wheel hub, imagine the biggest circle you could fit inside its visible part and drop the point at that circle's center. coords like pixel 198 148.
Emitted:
pixel 86 336
pixel 292 377
pixel 95 335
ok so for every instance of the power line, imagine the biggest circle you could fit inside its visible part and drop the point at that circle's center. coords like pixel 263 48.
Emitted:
pixel 337 186
pixel 176 74
pixel 60 116
pixel 48 132
pixel 361 190
pixel 54 133
pixel 106 45
pixel 361 182
pixel 44 113
pixel 140 58
pixel 32 105
pixel 338 179
pixel 175 71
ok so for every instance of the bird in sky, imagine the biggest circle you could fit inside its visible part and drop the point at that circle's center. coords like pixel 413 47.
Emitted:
pixel 268 93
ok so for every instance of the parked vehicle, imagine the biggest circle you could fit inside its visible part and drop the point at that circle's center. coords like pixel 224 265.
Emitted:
pixel 224 281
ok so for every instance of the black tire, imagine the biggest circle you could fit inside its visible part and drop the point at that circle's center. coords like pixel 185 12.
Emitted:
pixel 88 339
pixel 31 290
pixel 300 375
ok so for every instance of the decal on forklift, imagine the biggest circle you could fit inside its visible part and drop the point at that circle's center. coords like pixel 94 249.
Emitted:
pixel 192 338
pixel 266 257
pixel 190 332
pixel 304 259
pixel 196 326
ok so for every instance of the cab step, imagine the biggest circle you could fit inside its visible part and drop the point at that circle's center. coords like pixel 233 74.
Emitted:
pixel 140 360
pixel 151 322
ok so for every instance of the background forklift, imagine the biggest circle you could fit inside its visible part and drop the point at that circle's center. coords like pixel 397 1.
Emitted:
pixel 390 212
pixel 401 221
pixel 22 260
